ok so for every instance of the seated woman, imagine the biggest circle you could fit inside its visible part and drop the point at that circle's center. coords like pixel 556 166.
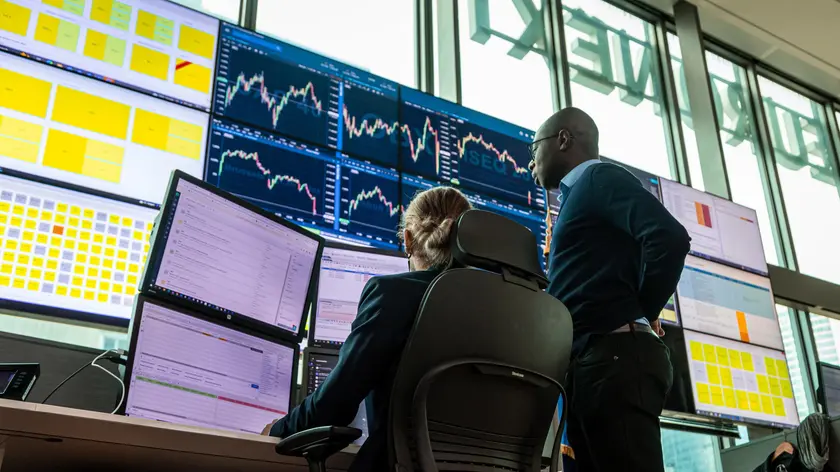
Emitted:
pixel 368 360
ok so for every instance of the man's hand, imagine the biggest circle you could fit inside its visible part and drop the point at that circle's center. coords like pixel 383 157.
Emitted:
pixel 657 328
pixel 267 430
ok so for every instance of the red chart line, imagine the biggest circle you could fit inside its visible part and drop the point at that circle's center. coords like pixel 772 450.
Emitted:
pixel 422 142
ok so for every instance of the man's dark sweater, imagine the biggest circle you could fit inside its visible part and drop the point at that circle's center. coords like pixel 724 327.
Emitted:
pixel 616 252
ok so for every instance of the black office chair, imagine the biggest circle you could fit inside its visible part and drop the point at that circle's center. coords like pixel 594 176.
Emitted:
pixel 479 380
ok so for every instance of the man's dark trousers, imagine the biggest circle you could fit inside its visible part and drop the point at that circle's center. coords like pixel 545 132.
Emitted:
pixel 618 385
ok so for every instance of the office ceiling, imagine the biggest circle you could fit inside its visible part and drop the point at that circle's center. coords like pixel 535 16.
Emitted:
pixel 798 37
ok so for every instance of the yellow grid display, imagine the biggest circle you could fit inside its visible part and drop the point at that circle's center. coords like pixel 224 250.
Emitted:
pixel 14 18
pixel 60 248
pixel 721 363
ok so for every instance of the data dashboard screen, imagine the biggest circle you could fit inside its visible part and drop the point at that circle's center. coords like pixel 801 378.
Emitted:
pixel 739 381
pixel 318 368
pixel 669 313
pixel 447 142
pixel 649 181
pixel 212 252
pixel 153 46
pixel 68 249
pixel 720 230
pixel 323 190
pixel 279 87
pixel 344 274
pixel 187 370
pixel 531 218
pixel 71 128
pixel 724 301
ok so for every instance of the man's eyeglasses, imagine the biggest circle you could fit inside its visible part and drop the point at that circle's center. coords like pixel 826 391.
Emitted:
pixel 532 147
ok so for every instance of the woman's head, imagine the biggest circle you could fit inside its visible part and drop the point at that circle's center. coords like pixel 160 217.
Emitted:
pixel 427 224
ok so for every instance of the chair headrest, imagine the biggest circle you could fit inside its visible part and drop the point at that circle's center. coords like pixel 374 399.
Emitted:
pixel 492 242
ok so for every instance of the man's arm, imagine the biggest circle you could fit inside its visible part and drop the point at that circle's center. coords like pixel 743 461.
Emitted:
pixel 362 361
pixel 623 202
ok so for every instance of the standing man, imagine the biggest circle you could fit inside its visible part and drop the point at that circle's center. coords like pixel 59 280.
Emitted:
pixel 616 257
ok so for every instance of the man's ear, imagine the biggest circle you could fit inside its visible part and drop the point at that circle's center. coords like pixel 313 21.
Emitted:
pixel 564 138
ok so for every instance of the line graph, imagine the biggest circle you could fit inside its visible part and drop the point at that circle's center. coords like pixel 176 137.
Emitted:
pixel 273 173
pixel 274 95
pixel 369 203
pixel 424 140
pixel 502 156
pixel 272 180
pixel 369 124
pixel 374 192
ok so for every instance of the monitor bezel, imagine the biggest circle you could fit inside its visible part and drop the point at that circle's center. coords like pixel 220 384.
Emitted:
pixel 310 335
pixel 67 313
pixel 134 331
pixel 158 243
pixel 820 390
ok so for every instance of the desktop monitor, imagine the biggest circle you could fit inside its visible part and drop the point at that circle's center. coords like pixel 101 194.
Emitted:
pixel 281 88
pixel 153 46
pixel 345 271
pixel 720 230
pixel 75 129
pixel 322 190
pixel 215 253
pixel 70 251
pixel 185 368
pixel 828 392
pixel 724 301
pixel 446 142
pixel 318 365
pixel 740 382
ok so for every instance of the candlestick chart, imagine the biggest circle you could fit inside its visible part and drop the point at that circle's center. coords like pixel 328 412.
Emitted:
pixel 370 204
pixel 274 95
pixel 277 176
pixel 369 125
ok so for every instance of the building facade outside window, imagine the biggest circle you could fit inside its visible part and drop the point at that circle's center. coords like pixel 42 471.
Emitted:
pixel 615 78
pixel 374 35
pixel 807 172
pixel 791 343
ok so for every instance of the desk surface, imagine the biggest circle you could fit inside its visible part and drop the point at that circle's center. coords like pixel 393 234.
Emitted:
pixel 44 437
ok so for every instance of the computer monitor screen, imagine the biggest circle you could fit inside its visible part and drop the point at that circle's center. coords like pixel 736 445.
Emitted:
pixel 188 370
pixel 68 249
pixel 531 218
pixel 447 142
pixel 75 129
pixel 318 367
pixel 829 390
pixel 720 230
pixel 724 301
pixel 740 382
pixel 649 181
pixel 344 274
pixel 217 254
pixel 669 313
pixel 328 192
pixel 153 46
pixel 282 88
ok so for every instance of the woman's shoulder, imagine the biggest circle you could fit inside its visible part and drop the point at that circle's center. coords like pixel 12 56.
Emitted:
pixel 403 279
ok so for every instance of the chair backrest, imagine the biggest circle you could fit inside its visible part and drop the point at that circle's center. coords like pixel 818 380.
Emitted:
pixel 478 381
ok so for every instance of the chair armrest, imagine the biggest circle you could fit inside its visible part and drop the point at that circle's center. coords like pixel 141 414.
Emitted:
pixel 318 443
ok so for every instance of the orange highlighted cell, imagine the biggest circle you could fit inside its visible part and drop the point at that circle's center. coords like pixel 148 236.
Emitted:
pixel 59 230
pixel 742 326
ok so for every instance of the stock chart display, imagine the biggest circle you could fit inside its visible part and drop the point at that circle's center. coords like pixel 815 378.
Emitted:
pixel 323 190
pixel 531 218
pixel 450 143
pixel 279 87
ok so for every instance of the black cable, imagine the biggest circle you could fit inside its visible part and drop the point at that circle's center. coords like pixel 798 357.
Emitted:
pixel 86 364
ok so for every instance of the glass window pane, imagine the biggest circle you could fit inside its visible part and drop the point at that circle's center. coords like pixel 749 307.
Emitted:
pixel 691 152
pixel 380 42
pixel 614 78
pixel 688 452
pixel 827 338
pixel 225 9
pixel 806 171
pixel 794 366
pixel 498 77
